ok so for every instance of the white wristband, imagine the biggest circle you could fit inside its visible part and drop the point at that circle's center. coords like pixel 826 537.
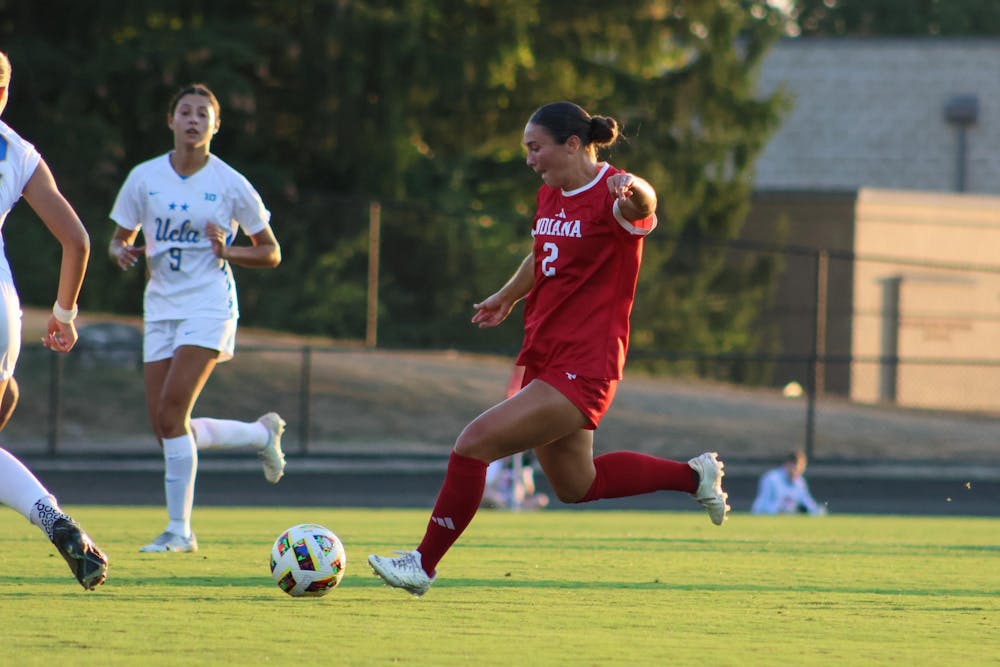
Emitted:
pixel 63 315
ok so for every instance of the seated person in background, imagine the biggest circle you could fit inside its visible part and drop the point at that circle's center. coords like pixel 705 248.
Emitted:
pixel 510 485
pixel 784 490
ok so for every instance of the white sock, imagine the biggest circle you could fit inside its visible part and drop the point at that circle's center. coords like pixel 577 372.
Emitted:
pixel 180 456
pixel 19 488
pixel 228 433
pixel 45 512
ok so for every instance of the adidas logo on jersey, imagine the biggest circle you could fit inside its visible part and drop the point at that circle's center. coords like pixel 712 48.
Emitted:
pixel 571 376
pixel 561 213
pixel 444 522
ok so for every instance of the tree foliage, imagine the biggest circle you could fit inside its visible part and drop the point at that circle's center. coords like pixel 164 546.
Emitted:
pixel 331 104
pixel 897 17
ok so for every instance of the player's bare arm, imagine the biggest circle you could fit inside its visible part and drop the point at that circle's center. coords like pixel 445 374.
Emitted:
pixel 44 197
pixel 264 253
pixel 636 197
pixel 495 308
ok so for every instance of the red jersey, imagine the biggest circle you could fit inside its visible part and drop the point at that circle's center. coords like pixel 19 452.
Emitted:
pixel 587 257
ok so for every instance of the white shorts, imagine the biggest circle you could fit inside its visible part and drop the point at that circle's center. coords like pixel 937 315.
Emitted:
pixel 10 330
pixel 161 338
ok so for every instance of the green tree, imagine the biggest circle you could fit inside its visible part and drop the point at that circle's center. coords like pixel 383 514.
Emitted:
pixel 331 104
pixel 965 18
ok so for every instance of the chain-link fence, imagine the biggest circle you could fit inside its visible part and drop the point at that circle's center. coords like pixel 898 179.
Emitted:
pixel 861 358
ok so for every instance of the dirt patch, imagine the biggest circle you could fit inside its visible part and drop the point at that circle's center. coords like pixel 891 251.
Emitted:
pixel 359 400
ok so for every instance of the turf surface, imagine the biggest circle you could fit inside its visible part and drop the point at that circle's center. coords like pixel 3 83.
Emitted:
pixel 551 588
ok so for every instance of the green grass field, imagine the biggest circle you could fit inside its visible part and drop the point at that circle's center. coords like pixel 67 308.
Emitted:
pixel 551 588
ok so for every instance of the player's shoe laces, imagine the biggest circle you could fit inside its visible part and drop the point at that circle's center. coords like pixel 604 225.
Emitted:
pixel 709 492
pixel 87 562
pixel 271 455
pixel 167 541
pixel 404 572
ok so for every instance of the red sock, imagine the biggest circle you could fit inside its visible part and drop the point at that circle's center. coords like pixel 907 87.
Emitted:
pixel 457 503
pixel 622 474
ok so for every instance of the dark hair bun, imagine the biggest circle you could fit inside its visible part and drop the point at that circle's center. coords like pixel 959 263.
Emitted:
pixel 603 130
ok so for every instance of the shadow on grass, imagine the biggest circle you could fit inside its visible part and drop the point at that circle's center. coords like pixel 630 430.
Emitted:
pixel 20 586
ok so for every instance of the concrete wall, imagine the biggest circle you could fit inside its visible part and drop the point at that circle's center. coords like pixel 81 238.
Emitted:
pixel 944 307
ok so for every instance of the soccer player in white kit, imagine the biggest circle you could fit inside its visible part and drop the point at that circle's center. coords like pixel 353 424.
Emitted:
pixel 23 172
pixel 190 205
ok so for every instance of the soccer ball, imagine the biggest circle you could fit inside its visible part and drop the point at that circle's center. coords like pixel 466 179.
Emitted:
pixel 308 560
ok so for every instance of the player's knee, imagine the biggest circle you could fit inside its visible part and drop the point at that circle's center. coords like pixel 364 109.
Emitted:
pixel 570 494
pixel 168 423
pixel 570 498
pixel 472 443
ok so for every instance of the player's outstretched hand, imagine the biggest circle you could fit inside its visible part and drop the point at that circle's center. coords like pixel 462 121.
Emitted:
pixel 492 310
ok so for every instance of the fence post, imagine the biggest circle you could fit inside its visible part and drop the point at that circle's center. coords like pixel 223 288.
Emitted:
pixel 888 385
pixel 374 231
pixel 55 401
pixel 305 391
pixel 816 374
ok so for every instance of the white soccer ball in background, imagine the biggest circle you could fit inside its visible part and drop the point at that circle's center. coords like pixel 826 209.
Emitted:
pixel 308 560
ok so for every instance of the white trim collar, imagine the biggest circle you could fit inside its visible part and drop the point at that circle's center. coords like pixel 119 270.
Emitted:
pixel 597 179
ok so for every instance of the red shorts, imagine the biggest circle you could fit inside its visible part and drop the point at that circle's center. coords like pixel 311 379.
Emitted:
pixel 591 396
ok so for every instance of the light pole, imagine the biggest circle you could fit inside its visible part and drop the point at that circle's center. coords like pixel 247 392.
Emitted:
pixel 962 111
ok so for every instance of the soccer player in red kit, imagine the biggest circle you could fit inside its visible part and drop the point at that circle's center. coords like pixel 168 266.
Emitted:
pixel 579 283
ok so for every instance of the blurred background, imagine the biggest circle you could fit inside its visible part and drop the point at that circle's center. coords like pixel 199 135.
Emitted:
pixel 823 275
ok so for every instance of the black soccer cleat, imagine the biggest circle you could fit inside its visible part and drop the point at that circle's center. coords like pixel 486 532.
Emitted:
pixel 87 562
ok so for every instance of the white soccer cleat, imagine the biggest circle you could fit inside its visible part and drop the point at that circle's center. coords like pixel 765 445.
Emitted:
pixel 709 492
pixel 404 572
pixel 271 456
pixel 167 541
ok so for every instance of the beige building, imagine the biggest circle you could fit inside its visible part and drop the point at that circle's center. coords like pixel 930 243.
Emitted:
pixel 889 162
pixel 939 318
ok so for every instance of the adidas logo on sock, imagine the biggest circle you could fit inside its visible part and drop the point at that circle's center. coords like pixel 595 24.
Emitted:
pixel 444 522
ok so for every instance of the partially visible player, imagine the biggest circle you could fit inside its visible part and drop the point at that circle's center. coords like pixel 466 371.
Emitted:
pixel 190 205
pixel 580 279
pixel 510 481
pixel 23 172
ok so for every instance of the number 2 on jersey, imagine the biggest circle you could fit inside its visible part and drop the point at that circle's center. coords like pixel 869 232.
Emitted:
pixel 548 262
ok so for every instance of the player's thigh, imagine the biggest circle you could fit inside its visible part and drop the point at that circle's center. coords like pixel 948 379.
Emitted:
pixel 568 464
pixel 10 392
pixel 180 356
pixel 185 377
pixel 190 369
pixel 154 374
pixel 536 415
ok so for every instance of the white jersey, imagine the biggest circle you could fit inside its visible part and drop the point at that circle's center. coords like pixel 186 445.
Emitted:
pixel 186 279
pixel 18 161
